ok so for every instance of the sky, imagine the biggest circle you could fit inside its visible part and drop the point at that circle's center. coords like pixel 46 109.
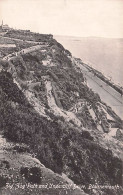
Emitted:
pixel 82 18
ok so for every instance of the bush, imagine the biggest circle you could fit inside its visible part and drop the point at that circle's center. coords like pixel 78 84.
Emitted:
pixel 21 149
pixel 86 135
pixel 32 175
pixel 4 164
pixel 3 180
pixel 10 88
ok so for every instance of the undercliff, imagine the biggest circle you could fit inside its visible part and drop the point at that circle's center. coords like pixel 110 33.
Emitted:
pixel 46 104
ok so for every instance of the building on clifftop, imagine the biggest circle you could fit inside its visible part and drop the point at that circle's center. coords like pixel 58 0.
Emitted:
pixel 4 27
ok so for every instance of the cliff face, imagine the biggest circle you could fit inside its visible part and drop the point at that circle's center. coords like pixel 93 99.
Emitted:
pixel 46 103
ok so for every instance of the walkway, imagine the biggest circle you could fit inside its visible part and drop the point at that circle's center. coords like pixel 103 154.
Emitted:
pixel 24 51
pixel 67 115
pixel 35 42
pixel 107 94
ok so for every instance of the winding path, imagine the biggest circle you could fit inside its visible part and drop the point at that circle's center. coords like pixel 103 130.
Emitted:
pixel 35 42
pixel 68 116
pixel 24 51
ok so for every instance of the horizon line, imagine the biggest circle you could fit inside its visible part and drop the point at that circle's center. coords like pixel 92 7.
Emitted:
pixel 74 36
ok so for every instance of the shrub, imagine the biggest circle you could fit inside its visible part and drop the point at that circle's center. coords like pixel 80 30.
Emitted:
pixel 32 175
pixel 10 88
pixel 86 135
pixel 3 180
pixel 4 164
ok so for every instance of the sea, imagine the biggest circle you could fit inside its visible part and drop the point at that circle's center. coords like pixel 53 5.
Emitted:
pixel 103 54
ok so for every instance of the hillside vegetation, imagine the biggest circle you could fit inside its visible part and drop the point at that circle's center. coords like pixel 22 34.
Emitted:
pixel 46 104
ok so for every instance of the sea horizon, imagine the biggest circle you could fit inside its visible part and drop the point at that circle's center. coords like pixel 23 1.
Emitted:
pixel 103 54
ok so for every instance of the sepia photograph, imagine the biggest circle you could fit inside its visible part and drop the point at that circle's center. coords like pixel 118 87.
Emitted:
pixel 61 97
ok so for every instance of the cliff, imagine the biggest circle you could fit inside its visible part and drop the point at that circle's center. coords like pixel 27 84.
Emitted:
pixel 47 105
